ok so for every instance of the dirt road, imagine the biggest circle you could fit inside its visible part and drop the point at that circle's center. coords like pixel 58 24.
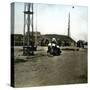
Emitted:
pixel 68 68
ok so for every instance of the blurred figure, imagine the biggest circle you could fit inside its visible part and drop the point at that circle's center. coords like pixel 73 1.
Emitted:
pixel 53 48
pixel 54 41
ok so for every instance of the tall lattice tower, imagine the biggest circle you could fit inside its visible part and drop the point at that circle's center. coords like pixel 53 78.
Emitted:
pixel 68 25
pixel 28 37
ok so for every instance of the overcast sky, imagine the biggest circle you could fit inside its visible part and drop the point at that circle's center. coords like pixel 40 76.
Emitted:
pixel 53 19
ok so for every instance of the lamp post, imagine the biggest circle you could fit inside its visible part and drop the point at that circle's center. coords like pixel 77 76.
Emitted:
pixel 68 34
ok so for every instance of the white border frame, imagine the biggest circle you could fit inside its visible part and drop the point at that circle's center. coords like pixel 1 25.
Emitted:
pixel 5 45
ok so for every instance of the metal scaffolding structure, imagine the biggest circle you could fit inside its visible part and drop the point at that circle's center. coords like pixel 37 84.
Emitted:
pixel 28 38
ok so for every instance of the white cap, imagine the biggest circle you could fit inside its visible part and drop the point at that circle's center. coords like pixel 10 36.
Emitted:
pixel 53 39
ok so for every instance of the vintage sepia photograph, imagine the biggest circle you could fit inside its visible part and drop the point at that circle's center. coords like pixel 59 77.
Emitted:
pixel 49 44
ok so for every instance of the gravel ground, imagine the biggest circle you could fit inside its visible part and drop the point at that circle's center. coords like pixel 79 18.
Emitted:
pixel 42 69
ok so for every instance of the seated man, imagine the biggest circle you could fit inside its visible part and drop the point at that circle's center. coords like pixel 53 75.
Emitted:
pixel 54 41
pixel 53 48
